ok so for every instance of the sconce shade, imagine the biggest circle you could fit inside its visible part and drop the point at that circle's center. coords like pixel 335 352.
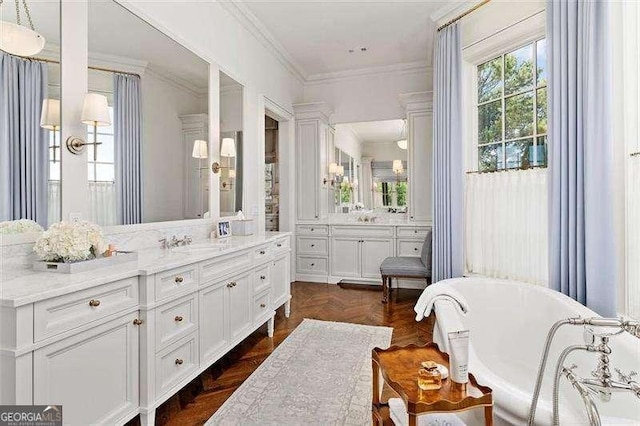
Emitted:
pixel 232 174
pixel 333 168
pixel 402 144
pixel 397 166
pixel 19 40
pixel 228 148
pixel 340 171
pixel 199 149
pixel 95 111
pixel 50 116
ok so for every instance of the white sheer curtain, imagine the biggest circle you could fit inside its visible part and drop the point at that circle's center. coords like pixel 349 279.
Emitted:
pixel 53 202
pixel 506 225
pixel 102 203
pixel 633 235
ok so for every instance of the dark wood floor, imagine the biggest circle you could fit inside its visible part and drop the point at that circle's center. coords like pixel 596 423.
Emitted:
pixel 194 404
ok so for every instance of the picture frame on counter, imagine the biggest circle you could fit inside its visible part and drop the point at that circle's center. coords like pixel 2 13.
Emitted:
pixel 223 229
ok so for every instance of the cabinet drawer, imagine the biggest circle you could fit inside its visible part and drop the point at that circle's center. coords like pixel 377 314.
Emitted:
pixel 412 248
pixel 216 268
pixel 176 363
pixel 261 307
pixel 176 280
pixel 175 320
pixel 362 231
pixel 262 279
pixel 54 316
pixel 280 245
pixel 312 265
pixel 418 232
pixel 311 245
pixel 261 254
pixel 313 230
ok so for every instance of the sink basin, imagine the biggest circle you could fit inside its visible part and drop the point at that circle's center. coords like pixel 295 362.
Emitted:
pixel 199 248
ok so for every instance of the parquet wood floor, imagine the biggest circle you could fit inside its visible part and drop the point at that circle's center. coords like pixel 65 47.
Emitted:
pixel 357 304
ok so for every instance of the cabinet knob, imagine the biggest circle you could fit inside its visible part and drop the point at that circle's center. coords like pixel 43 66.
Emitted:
pixel 313 264
pixel 415 249
pixel 94 303
pixel 262 277
pixel 137 321
pixel 415 231
pixel 179 280
pixel 178 318
pixel 262 252
pixel 312 228
pixel 231 284
pixel 313 245
pixel 262 305
pixel 279 245
pixel 179 361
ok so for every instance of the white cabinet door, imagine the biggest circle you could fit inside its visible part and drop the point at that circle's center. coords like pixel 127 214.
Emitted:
pixel 308 165
pixel 239 290
pixel 280 281
pixel 420 169
pixel 374 251
pixel 345 257
pixel 213 319
pixel 94 374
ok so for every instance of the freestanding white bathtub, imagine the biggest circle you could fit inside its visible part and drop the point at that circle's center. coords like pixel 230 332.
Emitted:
pixel 508 323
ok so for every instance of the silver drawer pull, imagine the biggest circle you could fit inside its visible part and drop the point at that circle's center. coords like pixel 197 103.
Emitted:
pixel 178 318
pixel 262 252
pixel 137 321
pixel 262 277
pixel 279 245
pixel 179 361
pixel 94 303
pixel 262 305
pixel 179 280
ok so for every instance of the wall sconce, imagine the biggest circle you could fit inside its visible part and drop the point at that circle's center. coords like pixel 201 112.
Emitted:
pixel 227 149
pixel 200 152
pixel 95 112
pixel 333 170
pixel 50 120
pixel 232 173
pixel 397 167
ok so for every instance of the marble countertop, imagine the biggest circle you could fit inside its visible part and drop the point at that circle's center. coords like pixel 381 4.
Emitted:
pixel 23 286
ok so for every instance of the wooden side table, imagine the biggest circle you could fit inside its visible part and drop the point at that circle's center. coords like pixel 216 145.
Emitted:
pixel 398 367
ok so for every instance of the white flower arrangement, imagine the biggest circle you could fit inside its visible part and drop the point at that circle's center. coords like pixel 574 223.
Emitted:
pixel 71 242
pixel 19 226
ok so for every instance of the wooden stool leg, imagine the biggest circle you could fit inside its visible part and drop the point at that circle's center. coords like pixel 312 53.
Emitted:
pixel 488 416
pixel 413 420
pixel 385 289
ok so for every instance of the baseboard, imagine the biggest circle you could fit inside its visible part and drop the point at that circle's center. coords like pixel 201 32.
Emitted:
pixel 321 279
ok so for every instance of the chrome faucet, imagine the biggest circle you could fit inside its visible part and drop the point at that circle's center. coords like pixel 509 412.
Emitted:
pixel 175 242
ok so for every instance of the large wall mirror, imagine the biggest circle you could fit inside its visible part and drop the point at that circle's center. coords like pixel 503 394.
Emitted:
pixel 231 145
pixel 29 117
pixel 147 111
pixel 370 171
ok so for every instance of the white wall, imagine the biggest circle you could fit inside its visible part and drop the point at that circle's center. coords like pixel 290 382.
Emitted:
pixel 346 141
pixel 163 151
pixel 231 110
pixel 384 151
pixel 368 97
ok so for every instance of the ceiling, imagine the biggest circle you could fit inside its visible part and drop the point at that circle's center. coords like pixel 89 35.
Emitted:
pixel 377 131
pixel 318 34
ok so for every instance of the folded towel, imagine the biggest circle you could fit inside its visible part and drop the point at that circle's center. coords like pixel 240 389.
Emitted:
pixel 439 291
pixel 398 414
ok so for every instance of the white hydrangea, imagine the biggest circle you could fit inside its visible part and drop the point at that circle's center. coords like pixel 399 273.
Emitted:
pixel 19 226
pixel 71 242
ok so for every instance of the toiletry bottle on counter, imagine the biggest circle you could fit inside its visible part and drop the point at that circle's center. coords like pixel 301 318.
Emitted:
pixel 459 356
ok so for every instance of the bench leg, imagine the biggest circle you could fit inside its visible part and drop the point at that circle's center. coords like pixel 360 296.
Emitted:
pixel 385 288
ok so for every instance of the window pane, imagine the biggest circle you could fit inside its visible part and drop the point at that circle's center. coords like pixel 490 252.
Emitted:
pixel 106 150
pixel 490 158
pixel 54 171
pixel 539 152
pixel 518 154
pixel 490 122
pixel 518 70
pixel 90 172
pixel 105 172
pixel 490 80
pixel 541 113
pixel 90 152
pixel 519 116
pixel 541 58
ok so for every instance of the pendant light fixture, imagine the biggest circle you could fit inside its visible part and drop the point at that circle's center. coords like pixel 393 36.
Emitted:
pixel 402 143
pixel 17 39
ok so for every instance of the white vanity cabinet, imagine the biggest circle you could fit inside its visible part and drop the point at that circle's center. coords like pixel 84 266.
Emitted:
pixel 358 251
pixel 122 346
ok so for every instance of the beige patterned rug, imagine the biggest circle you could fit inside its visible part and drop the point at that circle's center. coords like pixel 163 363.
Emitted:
pixel 320 375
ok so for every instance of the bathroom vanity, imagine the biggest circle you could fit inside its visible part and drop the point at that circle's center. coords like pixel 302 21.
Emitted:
pixel 116 342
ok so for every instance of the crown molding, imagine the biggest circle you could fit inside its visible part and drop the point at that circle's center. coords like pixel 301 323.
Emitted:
pixel 313 110
pixel 452 9
pixel 418 67
pixel 118 63
pixel 416 101
pixel 243 14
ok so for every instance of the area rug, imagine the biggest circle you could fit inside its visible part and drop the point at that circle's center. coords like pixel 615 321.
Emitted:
pixel 320 375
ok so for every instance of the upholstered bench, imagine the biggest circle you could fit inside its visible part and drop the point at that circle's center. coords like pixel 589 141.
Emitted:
pixel 406 267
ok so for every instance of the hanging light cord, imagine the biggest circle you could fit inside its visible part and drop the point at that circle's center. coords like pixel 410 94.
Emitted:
pixel 26 11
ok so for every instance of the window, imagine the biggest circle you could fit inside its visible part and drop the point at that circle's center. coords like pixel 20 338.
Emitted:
pixel 54 168
pixel 103 168
pixel 512 109
pixel 394 194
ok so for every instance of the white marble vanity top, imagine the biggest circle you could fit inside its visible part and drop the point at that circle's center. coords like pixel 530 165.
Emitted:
pixel 24 286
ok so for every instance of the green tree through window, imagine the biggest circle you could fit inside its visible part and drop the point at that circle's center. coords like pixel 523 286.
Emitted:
pixel 512 109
